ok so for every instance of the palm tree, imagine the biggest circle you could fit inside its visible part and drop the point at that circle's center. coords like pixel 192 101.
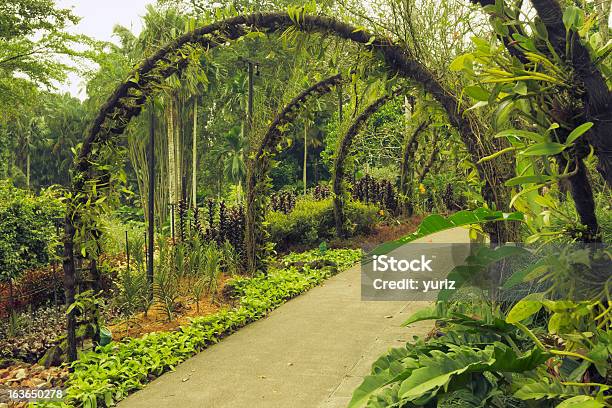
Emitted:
pixel 230 156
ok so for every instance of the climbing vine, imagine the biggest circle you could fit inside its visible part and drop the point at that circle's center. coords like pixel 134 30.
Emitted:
pixel 95 172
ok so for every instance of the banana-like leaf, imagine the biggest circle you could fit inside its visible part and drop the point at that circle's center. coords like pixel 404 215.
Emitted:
pixel 543 389
pixel 581 401
pixel 391 368
pixel 422 374
pixel 438 369
pixel 429 313
pixel 437 223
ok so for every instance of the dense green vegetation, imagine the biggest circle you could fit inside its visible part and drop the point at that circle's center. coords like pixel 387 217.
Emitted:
pixel 492 361
pixel 28 231
pixel 112 371
pixel 162 210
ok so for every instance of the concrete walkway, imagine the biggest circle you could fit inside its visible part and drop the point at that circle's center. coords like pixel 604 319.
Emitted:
pixel 311 352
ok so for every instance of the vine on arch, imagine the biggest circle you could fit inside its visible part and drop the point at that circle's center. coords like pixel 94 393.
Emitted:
pixel 343 149
pixel 407 168
pixel 257 185
pixel 92 175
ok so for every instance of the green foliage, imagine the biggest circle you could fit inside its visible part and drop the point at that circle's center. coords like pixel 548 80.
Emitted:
pixel 166 283
pixel 131 284
pixel 27 229
pixel 311 222
pixel 342 258
pixel 32 36
pixel 525 83
pixel 113 236
pixel 437 223
pixel 107 375
pixel 487 361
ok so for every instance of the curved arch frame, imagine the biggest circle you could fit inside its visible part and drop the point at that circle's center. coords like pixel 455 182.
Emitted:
pixel 129 98
pixel 407 169
pixel 259 165
pixel 343 150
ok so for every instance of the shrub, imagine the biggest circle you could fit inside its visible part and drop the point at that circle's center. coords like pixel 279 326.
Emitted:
pixel 103 377
pixel 379 192
pixel 361 217
pixel 33 288
pixel 311 222
pixel 27 229
pixel 113 236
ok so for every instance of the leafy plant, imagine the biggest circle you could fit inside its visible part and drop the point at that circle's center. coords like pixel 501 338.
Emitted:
pixel 34 333
pixel 312 221
pixel 102 377
pixel 132 287
pixel 211 269
pixel 491 369
pixel 166 286
pixel 437 223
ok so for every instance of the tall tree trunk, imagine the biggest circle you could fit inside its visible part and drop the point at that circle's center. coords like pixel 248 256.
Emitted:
pixel 28 133
pixel 171 156
pixel 194 155
pixel 178 150
pixel 304 176
pixel 603 15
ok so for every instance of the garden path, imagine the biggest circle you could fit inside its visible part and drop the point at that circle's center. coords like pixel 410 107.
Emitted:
pixel 311 352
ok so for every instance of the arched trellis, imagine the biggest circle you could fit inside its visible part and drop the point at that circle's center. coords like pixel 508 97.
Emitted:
pixel 129 98
pixel 259 165
pixel 406 166
pixel 430 161
pixel 344 146
pixel 342 151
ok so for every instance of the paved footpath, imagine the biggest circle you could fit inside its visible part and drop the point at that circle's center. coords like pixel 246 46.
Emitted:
pixel 310 352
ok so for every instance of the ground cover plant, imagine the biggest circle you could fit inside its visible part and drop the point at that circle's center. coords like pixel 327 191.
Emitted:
pixel 108 374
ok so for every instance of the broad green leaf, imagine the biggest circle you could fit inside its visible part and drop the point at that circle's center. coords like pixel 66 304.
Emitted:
pixel 571 17
pixel 438 370
pixel 515 181
pixel 477 92
pixel 541 388
pixel 429 313
pixel 394 371
pixel 579 131
pixel 527 307
pixel 523 134
pixel 370 385
pixel 502 113
pixel 457 64
pixel 581 401
pixel 436 223
pixel 520 88
pixel 477 105
pixel 544 149
pixel 556 322
pixel 507 360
